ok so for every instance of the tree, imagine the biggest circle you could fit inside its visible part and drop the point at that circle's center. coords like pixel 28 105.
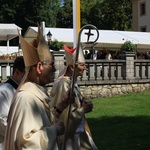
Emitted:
pixel 86 6
pixel 104 14
pixel 112 15
pixel 65 15
pixel 32 11
pixel 7 11
pixel 54 8
pixel 27 13
pixel 7 15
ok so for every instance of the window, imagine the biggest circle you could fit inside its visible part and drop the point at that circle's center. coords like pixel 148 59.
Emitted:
pixel 143 29
pixel 142 8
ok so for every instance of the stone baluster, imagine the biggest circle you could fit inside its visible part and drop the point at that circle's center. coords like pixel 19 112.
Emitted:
pixel 137 71
pixel 112 71
pixel 4 71
pixel 148 70
pixel 91 72
pixel 98 71
pixel 85 75
pixel 119 71
pixel 143 75
pixel 105 71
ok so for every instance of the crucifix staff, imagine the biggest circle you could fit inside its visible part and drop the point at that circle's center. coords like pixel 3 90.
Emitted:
pixel 90 27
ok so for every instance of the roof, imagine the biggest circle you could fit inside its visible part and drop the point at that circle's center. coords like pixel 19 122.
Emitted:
pixel 8 31
pixel 107 38
pixel 61 34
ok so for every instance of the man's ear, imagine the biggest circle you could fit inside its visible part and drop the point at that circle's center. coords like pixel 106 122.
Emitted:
pixel 39 67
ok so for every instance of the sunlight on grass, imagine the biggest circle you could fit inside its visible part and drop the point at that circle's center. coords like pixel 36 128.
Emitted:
pixel 121 122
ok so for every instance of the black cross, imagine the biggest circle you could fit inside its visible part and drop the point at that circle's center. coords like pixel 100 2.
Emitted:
pixel 89 34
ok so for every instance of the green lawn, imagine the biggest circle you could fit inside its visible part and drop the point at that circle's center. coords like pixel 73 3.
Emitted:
pixel 121 122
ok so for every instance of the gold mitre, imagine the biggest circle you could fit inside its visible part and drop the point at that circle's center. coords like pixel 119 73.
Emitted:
pixel 35 42
pixel 36 50
pixel 43 50
pixel 71 55
pixel 30 54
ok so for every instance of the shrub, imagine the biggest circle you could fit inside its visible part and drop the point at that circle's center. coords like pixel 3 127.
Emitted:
pixel 55 45
pixel 128 46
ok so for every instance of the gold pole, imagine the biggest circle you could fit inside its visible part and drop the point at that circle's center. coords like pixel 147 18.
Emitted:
pixel 76 29
pixel 78 24
pixel 76 20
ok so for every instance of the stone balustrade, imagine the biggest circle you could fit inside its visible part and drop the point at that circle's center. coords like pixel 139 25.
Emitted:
pixel 103 78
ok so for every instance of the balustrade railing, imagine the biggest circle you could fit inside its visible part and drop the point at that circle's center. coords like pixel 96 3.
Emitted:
pixel 142 69
pixel 6 67
pixel 104 70
pixel 96 69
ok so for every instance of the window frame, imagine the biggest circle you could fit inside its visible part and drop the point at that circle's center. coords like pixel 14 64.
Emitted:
pixel 143 8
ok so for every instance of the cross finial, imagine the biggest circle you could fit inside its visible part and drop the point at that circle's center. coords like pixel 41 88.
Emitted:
pixel 89 34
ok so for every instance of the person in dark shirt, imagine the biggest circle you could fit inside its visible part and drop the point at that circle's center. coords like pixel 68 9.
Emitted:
pixel 7 91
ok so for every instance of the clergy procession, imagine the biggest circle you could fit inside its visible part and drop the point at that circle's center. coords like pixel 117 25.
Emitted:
pixel 32 119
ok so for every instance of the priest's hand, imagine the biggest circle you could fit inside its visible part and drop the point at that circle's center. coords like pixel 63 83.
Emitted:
pixel 87 106
pixel 59 126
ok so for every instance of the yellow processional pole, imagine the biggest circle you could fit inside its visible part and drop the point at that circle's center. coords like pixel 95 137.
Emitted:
pixel 77 44
pixel 76 21
pixel 76 29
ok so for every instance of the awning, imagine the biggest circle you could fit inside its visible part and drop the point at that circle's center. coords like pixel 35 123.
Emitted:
pixel 112 39
pixel 8 32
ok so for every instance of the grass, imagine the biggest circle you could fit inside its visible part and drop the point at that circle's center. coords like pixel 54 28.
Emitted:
pixel 121 122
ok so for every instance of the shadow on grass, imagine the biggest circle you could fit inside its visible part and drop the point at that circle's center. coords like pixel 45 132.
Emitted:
pixel 121 133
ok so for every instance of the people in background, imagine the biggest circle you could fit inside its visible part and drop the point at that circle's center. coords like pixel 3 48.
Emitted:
pixel 90 54
pixel 94 54
pixel 100 54
pixel 147 56
pixel 141 56
pixel 117 54
pixel 7 91
pixel 86 54
pixel 108 55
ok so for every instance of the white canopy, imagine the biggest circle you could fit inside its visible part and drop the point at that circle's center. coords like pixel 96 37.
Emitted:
pixel 107 38
pixel 8 32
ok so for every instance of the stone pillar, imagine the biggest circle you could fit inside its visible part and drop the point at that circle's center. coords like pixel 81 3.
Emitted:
pixel 129 65
pixel 59 61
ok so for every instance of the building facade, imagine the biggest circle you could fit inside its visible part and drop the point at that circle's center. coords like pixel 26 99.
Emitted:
pixel 141 15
